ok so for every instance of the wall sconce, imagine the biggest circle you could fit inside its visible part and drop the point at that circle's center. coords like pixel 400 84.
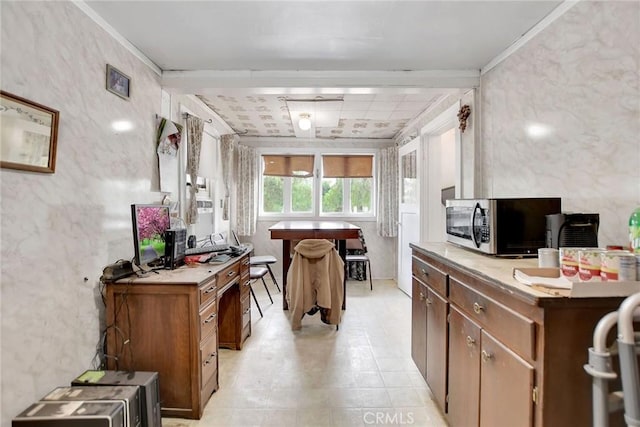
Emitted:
pixel 305 121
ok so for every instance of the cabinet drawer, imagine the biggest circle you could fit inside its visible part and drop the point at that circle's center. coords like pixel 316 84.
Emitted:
pixel 246 311
pixel 208 359
pixel 430 275
pixel 511 328
pixel 245 288
pixel 244 267
pixel 208 291
pixel 228 274
pixel 208 320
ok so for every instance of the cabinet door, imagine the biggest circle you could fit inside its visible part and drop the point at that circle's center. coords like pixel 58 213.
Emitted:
pixel 437 310
pixel 419 326
pixel 506 387
pixel 464 371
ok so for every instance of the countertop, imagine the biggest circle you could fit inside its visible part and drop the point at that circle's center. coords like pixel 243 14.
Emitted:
pixel 496 269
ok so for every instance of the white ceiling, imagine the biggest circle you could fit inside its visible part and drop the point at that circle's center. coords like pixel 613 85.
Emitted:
pixel 387 60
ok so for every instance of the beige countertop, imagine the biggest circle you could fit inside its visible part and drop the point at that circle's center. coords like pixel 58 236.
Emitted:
pixel 496 269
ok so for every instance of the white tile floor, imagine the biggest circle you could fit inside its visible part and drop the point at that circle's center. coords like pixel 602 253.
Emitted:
pixel 360 375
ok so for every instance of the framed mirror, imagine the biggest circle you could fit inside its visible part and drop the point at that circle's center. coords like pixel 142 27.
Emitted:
pixel 29 134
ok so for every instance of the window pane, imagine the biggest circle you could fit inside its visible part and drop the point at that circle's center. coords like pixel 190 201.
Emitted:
pixel 332 195
pixel 361 195
pixel 273 195
pixel 301 194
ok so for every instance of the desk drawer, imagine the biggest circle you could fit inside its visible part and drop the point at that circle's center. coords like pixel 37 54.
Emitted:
pixel 208 359
pixel 228 274
pixel 208 291
pixel 245 288
pixel 499 320
pixel 246 311
pixel 430 275
pixel 208 320
pixel 244 266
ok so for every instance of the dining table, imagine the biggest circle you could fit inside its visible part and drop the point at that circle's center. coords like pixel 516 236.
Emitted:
pixel 289 231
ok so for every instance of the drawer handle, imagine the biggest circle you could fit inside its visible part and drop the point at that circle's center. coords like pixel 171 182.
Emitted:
pixel 424 272
pixel 231 273
pixel 428 301
pixel 210 289
pixel 210 318
pixel 486 356
pixel 477 308
pixel 245 262
pixel 422 297
pixel 210 359
pixel 470 341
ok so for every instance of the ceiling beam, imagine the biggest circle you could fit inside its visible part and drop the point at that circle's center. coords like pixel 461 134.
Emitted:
pixel 318 82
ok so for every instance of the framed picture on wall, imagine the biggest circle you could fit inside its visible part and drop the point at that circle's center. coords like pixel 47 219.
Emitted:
pixel 118 82
pixel 29 134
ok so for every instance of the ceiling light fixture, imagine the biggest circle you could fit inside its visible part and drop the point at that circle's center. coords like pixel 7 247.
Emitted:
pixel 305 121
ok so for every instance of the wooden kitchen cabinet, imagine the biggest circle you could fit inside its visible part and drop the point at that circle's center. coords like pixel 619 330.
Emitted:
pixel 419 326
pixel 429 338
pixel 464 370
pixel 511 356
pixel 506 386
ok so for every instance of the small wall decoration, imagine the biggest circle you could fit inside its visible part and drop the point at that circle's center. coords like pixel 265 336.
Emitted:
pixel 463 115
pixel 118 82
pixel 29 134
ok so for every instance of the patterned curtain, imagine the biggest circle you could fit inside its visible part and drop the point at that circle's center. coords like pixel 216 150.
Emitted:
pixel 387 225
pixel 247 183
pixel 227 144
pixel 195 127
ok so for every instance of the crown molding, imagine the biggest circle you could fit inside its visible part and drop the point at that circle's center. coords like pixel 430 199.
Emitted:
pixel 82 5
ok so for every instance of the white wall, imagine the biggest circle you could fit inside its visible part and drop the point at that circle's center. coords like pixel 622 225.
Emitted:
pixel 58 231
pixel 580 79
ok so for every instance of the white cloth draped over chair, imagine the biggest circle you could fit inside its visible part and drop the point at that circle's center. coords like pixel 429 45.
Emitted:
pixel 315 279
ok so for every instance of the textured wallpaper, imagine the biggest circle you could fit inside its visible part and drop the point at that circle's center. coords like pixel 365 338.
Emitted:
pixel 59 230
pixel 561 116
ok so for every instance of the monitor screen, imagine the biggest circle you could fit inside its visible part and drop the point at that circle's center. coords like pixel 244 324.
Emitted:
pixel 149 224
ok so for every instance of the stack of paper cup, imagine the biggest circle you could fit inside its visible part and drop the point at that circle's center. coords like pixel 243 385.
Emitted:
pixel 548 258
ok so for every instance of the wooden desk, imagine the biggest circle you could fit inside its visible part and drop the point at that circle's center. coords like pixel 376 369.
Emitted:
pixel 299 230
pixel 174 322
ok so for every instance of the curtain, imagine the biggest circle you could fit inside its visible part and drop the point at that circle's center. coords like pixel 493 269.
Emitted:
pixel 195 127
pixel 388 192
pixel 247 171
pixel 227 143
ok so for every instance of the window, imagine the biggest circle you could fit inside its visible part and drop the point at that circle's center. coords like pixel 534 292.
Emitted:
pixel 345 186
pixel 287 184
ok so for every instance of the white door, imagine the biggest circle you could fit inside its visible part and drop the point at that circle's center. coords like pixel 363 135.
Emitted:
pixel 410 158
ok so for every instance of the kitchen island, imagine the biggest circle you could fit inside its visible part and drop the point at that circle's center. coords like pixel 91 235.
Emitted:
pixel 496 352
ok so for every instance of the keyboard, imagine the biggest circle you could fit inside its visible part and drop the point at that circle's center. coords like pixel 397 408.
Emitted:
pixel 207 249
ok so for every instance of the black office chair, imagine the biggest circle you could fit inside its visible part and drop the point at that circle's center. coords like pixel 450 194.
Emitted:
pixel 261 260
pixel 256 273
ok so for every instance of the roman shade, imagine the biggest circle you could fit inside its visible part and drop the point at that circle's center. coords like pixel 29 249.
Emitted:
pixel 278 165
pixel 347 166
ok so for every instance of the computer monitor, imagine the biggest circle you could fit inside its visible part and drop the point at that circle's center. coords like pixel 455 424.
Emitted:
pixel 149 225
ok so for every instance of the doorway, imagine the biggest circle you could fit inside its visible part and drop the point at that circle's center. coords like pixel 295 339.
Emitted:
pixel 410 159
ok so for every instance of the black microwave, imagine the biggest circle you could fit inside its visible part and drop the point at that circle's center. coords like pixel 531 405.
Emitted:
pixel 502 227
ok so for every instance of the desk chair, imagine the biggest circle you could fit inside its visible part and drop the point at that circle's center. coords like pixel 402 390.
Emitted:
pixel 360 247
pixel 261 260
pixel 256 273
